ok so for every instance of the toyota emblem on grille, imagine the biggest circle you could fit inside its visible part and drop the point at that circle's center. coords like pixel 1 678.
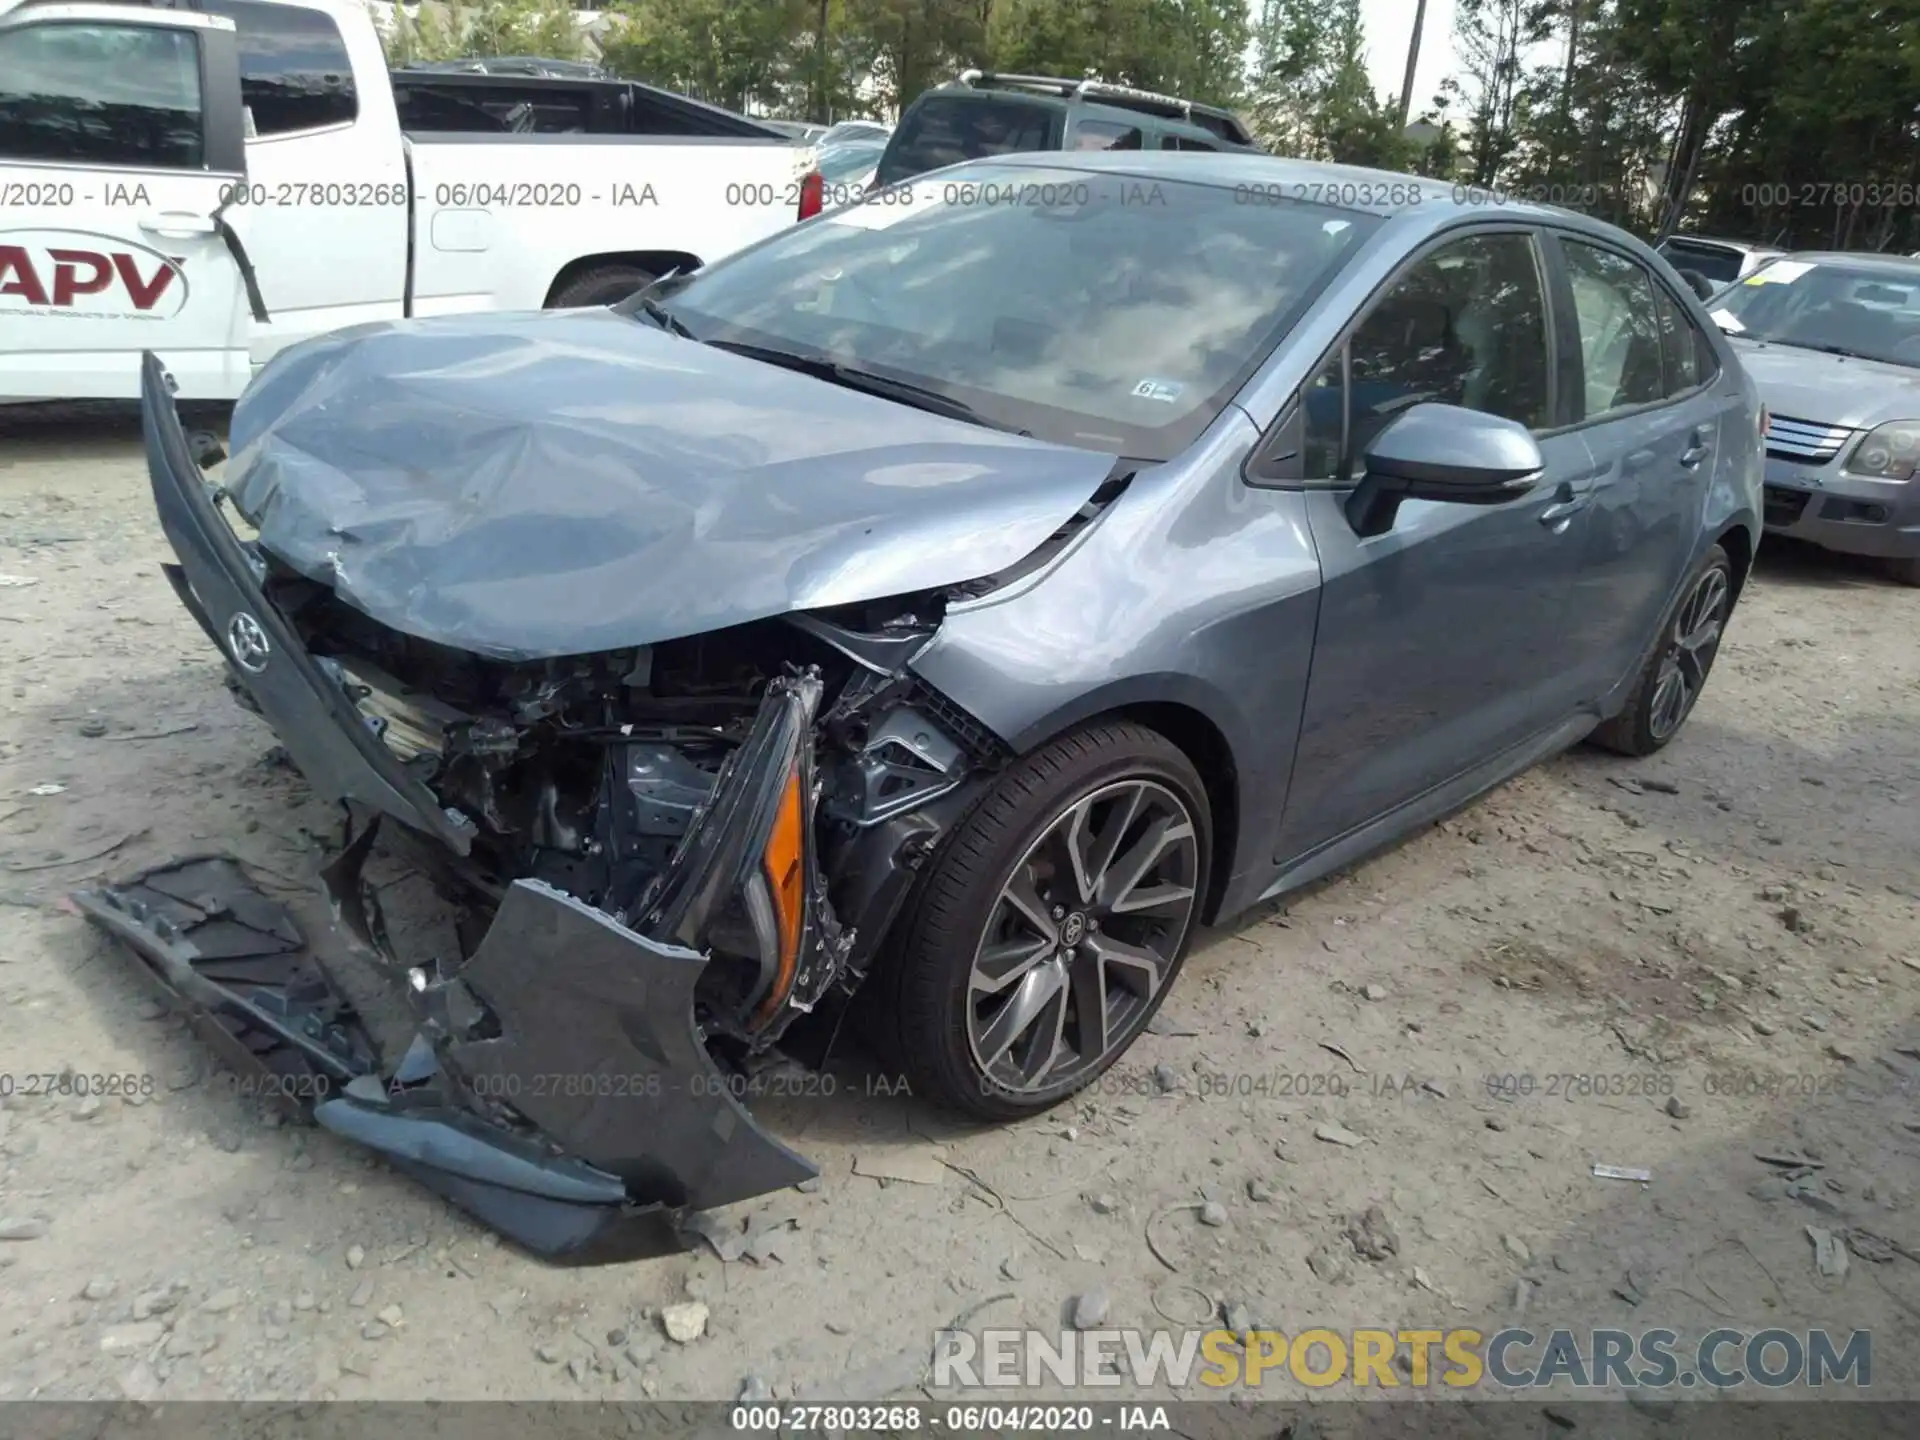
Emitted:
pixel 248 642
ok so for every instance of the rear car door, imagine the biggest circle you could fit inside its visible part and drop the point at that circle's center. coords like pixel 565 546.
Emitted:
pixel 1442 642
pixel 120 139
pixel 1651 411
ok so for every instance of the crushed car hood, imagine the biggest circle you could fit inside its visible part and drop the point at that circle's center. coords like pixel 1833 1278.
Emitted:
pixel 560 483
pixel 1831 389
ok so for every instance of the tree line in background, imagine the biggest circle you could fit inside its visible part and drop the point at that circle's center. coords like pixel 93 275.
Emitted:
pixel 1787 122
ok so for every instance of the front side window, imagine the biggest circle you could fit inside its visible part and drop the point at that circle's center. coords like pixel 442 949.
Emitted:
pixel 1466 325
pixel 100 94
pixel 1619 329
pixel 1090 309
pixel 294 70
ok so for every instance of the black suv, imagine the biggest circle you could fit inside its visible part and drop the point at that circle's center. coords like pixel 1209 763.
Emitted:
pixel 984 114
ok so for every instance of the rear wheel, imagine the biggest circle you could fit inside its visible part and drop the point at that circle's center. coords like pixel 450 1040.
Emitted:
pixel 602 285
pixel 1053 923
pixel 1676 672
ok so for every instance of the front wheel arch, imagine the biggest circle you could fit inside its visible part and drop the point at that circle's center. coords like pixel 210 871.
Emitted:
pixel 652 262
pixel 1187 712
pixel 919 997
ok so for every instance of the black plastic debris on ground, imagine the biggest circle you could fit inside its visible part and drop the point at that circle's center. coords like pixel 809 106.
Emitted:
pixel 253 989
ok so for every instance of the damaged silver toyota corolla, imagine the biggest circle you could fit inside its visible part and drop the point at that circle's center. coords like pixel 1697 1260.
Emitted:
pixel 953 600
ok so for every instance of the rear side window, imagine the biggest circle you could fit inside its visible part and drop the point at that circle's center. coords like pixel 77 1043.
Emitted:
pixel 101 94
pixel 944 130
pixel 1106 135
pixel 1182 142
pixel 1716 262
pixel 1686 355
pixel 1619 329
pixel 294 70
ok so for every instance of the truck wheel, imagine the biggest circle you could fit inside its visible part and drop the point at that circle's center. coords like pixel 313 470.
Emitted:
pixel 1053 924
pixel 1907 571
pixel 1676 672
pixel 602 285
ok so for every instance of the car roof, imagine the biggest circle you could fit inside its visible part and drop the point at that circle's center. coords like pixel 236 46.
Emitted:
pixel 1905 266
pixel 1101 105
pixel 1746 247
pixel 1418 201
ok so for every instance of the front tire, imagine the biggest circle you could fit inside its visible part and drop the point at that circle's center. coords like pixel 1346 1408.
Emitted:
pixel 1676 672
pixel 1053 924
pixel 1906 571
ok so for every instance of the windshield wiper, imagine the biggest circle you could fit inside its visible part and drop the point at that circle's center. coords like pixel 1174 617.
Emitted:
pixel 1810 345
pixel 853 378
pixel 645 301
pixel 659 314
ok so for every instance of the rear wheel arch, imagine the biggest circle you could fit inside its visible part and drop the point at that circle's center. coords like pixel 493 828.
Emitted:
pixel 647 262
pixel 1738 541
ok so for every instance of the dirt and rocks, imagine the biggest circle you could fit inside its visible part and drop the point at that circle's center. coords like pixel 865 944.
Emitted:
pixel 1381 1105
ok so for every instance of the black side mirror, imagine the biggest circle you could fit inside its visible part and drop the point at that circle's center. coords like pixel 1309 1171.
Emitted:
pixel 1699 283
pixel 1445 453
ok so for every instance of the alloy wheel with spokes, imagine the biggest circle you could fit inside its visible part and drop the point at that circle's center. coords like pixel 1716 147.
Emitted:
pixel 1051 924
pixel 1083 935
pixel 1692 644
pixel 1675 668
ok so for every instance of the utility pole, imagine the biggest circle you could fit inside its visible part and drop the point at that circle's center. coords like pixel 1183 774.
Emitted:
pixel 1413 63
pixel 822 110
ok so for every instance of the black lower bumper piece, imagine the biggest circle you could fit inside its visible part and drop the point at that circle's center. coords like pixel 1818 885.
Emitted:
pixel 588 1069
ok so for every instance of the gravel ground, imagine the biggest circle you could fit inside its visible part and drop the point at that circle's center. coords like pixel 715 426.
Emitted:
pixel 1721 942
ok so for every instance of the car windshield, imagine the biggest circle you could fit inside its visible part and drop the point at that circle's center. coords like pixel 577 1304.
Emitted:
pixel 1863 310
pixel 1093 309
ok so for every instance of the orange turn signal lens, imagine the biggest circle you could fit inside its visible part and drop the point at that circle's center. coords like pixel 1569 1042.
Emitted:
pixel 785 863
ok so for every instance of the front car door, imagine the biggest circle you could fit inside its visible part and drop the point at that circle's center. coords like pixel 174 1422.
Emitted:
pixel 120 138
pixel 1441 643
pixel 1651 411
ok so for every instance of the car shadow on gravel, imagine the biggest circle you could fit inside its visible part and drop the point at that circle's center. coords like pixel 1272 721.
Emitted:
pixel 1800 1220
pixel 1785 561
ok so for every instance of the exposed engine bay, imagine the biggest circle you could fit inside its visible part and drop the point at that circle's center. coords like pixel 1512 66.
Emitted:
pixel 653 859
pixel 588 774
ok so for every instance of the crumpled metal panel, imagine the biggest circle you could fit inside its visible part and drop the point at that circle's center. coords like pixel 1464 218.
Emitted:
pixel 562 483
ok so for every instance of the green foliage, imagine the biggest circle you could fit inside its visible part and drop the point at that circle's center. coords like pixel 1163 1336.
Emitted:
pixel 497 27
pixel 1311 93
pixel 1787 121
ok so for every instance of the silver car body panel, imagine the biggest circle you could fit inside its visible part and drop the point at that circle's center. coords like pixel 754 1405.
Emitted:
pixel 568 482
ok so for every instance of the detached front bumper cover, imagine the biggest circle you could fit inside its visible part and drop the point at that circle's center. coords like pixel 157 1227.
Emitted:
pixel 559 1089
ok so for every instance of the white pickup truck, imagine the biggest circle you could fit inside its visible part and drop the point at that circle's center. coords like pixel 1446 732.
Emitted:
pixel 213 180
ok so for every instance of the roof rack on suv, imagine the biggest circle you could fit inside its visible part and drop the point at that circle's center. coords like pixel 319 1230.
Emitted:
pixel 1150 102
